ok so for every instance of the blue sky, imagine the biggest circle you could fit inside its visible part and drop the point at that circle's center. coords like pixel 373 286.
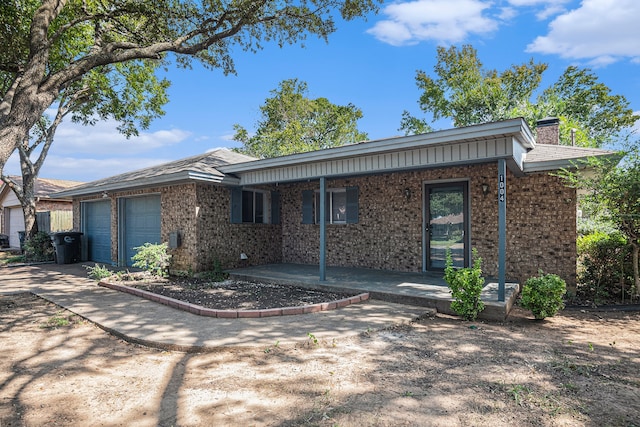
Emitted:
pixel 371 64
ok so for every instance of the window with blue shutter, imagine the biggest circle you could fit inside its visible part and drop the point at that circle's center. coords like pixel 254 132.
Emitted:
pixel 342 206
pixel 249 206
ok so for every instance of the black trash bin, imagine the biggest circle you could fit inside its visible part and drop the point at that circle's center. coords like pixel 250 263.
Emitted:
pixel 4 241
pixel 21 237
pixel 67 245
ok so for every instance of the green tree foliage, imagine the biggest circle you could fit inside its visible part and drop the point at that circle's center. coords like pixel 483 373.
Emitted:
pixel 48 46
pixel 604 267
pixel 463 90
pixel 615 191
pixel 293 123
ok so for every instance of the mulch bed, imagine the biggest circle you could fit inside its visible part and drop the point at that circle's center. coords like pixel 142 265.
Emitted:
pixel 235 295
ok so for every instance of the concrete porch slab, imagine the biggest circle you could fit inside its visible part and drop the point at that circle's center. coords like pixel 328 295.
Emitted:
pixel 417 289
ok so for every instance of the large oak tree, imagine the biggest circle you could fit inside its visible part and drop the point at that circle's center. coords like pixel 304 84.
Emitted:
pixel 67 39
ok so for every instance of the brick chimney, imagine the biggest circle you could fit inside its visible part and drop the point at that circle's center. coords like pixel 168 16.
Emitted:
pixel 548 131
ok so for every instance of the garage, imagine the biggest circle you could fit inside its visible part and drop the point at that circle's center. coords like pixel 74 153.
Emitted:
pixel 97 230
pixel 139 223
pixel 14 225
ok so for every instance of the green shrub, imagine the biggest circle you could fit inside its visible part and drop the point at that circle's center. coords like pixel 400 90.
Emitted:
pixel 217 274
pixel 466 285
pixel 152 258
pixel 39 247
pixel 543 295
pixel 98 272
pixel 604 266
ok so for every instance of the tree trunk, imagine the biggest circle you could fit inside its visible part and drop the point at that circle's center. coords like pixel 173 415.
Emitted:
pixel 30 218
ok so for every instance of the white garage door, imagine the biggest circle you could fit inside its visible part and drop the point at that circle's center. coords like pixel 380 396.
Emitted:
pixel 16 223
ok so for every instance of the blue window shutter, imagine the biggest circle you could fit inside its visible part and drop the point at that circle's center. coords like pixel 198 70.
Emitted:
pixel 236 205
pixel 275 207
pixel 352 205
pixel 307 207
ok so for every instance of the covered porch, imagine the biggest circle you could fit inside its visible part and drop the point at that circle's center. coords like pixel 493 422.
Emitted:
pixel 426 289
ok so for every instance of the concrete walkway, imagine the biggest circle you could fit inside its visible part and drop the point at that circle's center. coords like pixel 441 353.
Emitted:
pixel 145 322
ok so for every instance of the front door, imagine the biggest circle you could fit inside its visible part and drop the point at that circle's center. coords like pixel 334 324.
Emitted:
pixel 446 224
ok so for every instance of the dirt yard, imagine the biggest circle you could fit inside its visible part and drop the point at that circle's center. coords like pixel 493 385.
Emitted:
pixel 577 369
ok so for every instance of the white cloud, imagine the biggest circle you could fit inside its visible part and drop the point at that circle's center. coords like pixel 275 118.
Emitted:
pixel 599 31
pixel 86 153
pixel 104 138
pixel 445 21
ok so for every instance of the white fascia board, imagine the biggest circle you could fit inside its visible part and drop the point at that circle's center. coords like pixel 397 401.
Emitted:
pixel 172 179
pixel 514 127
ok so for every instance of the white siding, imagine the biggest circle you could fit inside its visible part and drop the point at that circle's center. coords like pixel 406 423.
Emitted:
pixel 424 157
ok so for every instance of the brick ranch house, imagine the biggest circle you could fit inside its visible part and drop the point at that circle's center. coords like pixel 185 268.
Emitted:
pixel 391 204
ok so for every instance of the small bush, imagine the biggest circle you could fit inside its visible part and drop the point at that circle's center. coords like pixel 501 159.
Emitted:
pixel 217 274
pixel 39 247
pixel 152 258
pixel 466 285
pixel 543 295
pixel 98 272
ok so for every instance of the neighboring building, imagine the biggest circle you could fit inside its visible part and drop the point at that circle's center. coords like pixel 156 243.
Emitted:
pixel 392 204
pixel 53 214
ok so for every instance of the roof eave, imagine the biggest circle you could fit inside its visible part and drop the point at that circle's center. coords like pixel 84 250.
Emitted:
pixel 175 178
pixel 573 163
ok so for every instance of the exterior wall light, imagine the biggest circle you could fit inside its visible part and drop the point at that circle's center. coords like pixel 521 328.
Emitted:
pixel 407 193
pixel 485 189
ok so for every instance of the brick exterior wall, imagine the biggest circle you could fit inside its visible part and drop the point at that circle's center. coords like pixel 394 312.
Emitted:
pixel 541 218
pixel 541 224
pixel 200 213
pixel 218 239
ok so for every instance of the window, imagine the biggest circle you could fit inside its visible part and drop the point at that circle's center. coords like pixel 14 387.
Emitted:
pixel 341 206
pixel 254 206
pixel 336 206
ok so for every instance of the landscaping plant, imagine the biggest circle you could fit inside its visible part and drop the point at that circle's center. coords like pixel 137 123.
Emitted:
pixel 39 247
pixel 605 267
pixel 466 285
pixel 543 295
pixel 152 258
pixel 98 272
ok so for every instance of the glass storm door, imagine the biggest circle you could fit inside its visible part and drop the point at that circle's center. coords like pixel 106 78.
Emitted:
pixel 446 214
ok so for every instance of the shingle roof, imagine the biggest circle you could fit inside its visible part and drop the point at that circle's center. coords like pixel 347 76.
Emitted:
pixel 203 167
pixel 550 157
pixel 44 187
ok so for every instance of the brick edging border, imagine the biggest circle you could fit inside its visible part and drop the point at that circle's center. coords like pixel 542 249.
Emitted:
pixel 234 314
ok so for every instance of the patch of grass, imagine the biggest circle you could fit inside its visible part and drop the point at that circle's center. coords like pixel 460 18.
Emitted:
pixel 58 320
pixel 11 259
